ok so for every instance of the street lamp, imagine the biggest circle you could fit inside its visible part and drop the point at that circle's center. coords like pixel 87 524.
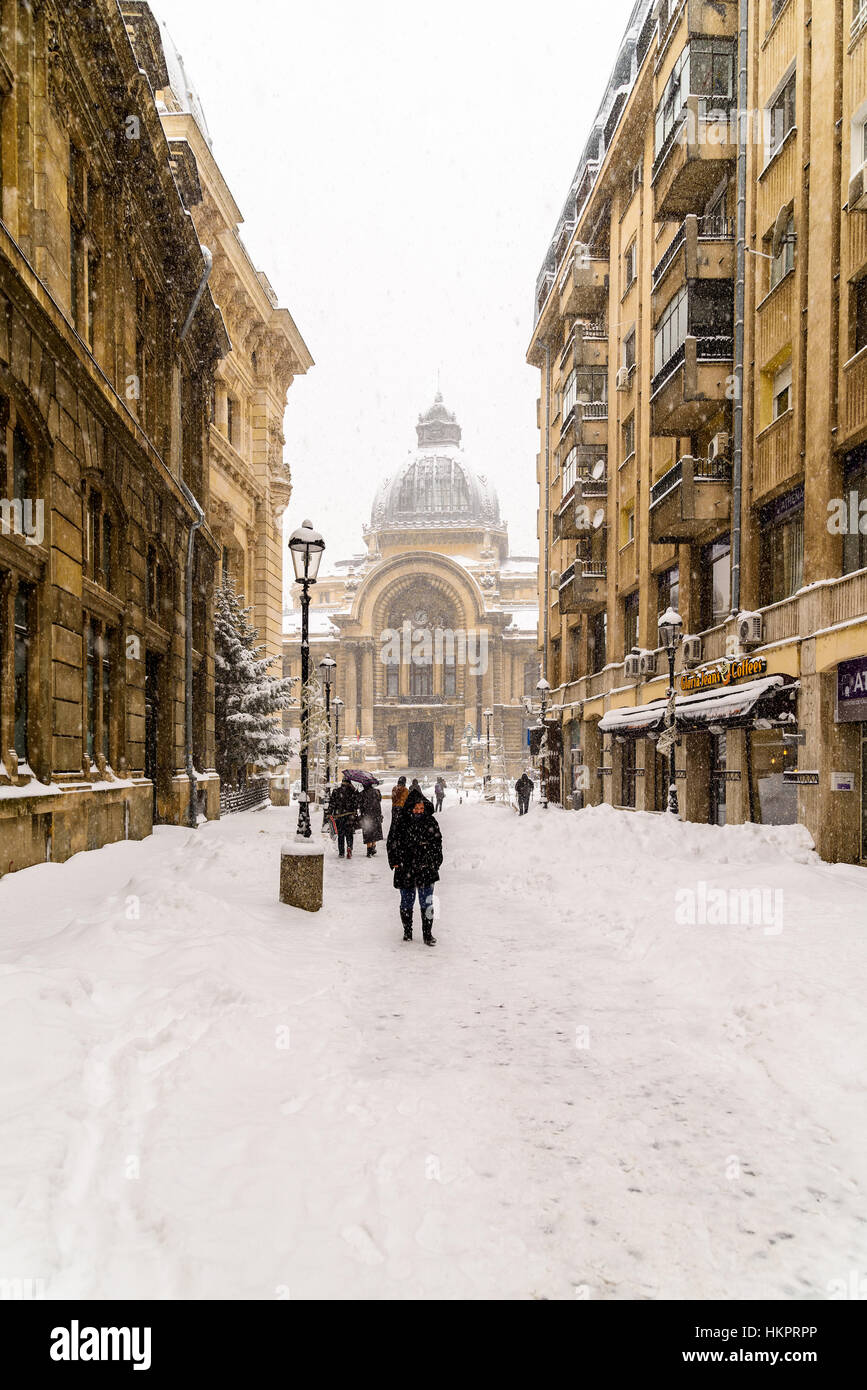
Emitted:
pixel 306 546
pixel 487 715
pixel 327 666
pixel 543 690
pixel 337 706
pixel 670 633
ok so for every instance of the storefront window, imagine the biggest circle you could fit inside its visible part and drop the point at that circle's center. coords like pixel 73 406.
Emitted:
pixel 717 779
pixel 775 802
pixel 577 764
pixel 627 773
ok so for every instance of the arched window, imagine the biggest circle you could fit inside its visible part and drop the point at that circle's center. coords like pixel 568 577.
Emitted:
pixel 99 541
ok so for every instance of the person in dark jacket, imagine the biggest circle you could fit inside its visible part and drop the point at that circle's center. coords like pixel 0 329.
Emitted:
pixel 524 790
pixel 371 817
pixel 344 807
pixel 439 792
pixel 415 852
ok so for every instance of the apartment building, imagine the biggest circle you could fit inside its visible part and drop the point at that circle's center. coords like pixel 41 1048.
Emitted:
pixel 701 335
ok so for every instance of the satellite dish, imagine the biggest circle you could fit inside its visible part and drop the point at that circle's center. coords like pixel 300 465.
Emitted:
pixel 781 227
pixel 597 472
pixel 598 518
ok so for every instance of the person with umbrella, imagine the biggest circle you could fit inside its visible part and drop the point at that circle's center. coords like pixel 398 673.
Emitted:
pixel 343 809
pixel 415 853
pixel 371 816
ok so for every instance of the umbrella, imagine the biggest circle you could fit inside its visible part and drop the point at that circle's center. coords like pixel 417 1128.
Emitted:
pixel 366 779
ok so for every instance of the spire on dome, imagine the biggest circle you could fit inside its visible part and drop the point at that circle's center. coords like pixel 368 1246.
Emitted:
pixel 437 425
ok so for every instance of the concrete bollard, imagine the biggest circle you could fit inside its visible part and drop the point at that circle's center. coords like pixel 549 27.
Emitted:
pixel 301 865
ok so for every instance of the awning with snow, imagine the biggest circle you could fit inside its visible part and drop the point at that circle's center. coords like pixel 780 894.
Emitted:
pixel 771 699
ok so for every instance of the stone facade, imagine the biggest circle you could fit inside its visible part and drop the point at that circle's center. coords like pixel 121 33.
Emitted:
pixel 104 410
pixel 437 559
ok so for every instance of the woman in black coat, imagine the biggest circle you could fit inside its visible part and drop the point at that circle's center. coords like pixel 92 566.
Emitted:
pixel 371 817
pixel 415 852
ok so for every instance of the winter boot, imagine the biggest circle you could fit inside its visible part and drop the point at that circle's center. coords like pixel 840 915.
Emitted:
pixel 406 918
pixel 427 930
pixel 349 851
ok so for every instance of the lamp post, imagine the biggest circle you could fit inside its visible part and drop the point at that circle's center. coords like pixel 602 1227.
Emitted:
pixel 337 706
pixel 543 689
pixel 670 633
pixel 306 546
pixel 487 715
pixel 327 666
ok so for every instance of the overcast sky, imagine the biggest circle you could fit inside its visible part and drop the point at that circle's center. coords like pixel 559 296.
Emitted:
pixel 400 169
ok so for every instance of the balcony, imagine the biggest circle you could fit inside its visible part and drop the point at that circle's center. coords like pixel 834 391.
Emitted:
pixel 583 587
pixel 689 498
pixel 586 346
pixel 703 248
pixel 695 157
pixel 586 426
pixel 690 388
pixel 584 287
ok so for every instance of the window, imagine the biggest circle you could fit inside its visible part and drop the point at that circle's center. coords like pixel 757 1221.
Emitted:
pixel 421 680
pixel 671 331
pixel 781 564
pixel 630 623
pixel 392 679
pixel 98 541
pixel 22 639
pixel 627 524
pixel 392 737
pixel 782 391
pixel 569 394
pixel 672 101
pixel 99 650
pixel 570 470
pixel 854 539
pixel 668 590
pixel 231 419
pixel 591 384
pixel 22 466
pixel 450 680
pixel 154 584
pixel 781 113
pixel 716 582
pixel 637 170
pixel 146 335
pixel 598 640
pixel 449 738
pixel 859 296
pixel 630 265
pixel 629 350
pixel 628 435
pixel 717 807
pixel 706 69
pixel 784 260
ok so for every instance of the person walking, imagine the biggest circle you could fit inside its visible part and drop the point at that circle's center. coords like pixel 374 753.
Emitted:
pixel 439 793
pixel 524 790
pixel 399 793
pixel 371 817
pixel 344 812
pixel 415 853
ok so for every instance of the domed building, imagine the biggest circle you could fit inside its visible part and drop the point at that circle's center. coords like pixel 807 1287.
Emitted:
pixel 434 623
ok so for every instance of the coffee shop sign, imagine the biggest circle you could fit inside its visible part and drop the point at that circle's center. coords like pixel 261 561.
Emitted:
pixel 723 673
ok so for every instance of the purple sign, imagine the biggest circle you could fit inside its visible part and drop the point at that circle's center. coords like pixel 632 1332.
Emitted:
pixel 852 691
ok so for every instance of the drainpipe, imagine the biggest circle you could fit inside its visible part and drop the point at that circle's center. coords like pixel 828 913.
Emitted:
pixel 546 596
pixel 197 522
pixel 738 409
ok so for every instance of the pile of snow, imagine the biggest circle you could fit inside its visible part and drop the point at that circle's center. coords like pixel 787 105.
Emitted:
pixel 579 1091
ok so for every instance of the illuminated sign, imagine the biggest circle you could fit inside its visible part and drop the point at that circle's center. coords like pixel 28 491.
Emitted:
pixel 723 673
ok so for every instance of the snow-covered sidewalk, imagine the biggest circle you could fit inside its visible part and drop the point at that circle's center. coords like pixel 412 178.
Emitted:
pixel 579 1092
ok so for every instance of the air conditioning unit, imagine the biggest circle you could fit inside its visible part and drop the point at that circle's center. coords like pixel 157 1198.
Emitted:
pixel 719 446
pixel 632 666
pixel 621 381
pixel 750 629
pixel 858 190
pixel 555 579
pixel 692 651
pixel 647 664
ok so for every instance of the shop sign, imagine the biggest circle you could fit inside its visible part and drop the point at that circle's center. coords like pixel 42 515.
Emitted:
pixel 733 776
pixel 723 673
pixel 842 781
pixel 793 778
pixel 852 691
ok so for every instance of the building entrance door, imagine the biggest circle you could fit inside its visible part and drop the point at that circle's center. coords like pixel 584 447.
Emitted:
pixel 420 745
pixel 152 712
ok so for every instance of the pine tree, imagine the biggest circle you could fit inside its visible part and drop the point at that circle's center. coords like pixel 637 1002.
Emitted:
pixel 246 697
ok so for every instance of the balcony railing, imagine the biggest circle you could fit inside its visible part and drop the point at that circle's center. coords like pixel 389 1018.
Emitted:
pixel 709 229
pixel 703 470
pixel 716 348
pixel 706 111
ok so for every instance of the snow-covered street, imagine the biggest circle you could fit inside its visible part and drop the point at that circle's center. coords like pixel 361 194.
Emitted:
pixel 577 1093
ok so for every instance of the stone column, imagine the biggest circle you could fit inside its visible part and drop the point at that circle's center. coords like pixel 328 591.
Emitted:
pixel 367 689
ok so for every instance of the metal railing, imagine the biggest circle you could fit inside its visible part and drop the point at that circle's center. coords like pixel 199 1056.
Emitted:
pixel 255 792
pixel 703 470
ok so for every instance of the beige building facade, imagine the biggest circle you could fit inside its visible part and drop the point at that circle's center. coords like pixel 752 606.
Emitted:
pixel 434 623
pixel 681 466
